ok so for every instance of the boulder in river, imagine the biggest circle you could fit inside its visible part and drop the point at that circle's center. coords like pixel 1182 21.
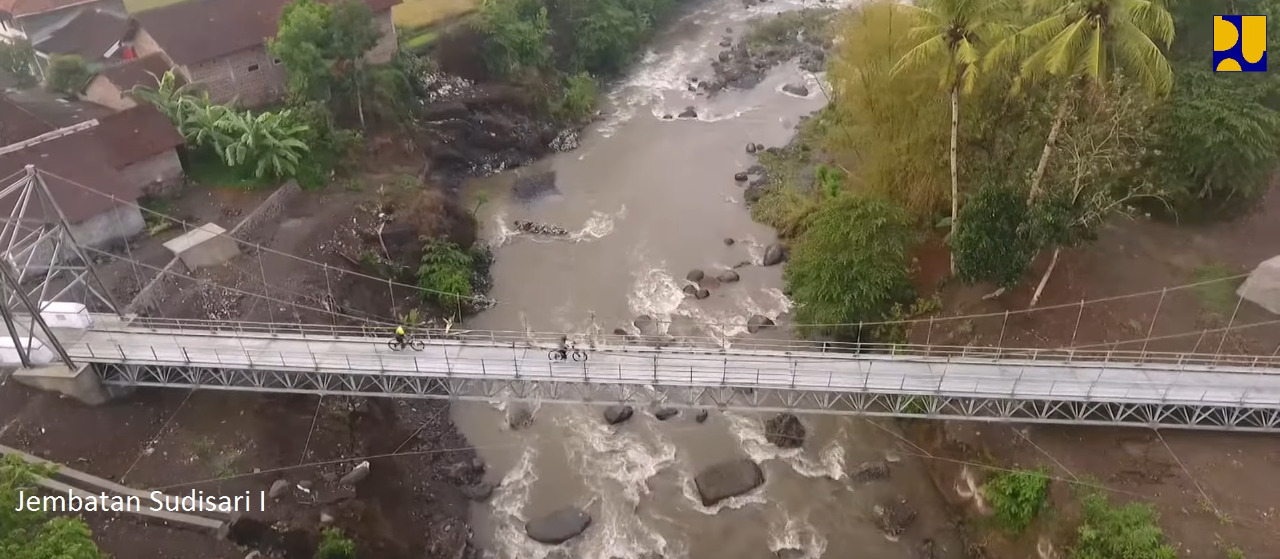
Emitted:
pixel 751 148
pixel 664 414
pixel 702 294
pixel 620 331
pixel 789 553
pixel 894 517
pixel 784 431
pixel 695 275
pixel 646 324
pixel 728 479
pixel 796 88
pixel 690 289
pixel 728 276
pixel 689 112
pixel 757 323
pixel 759 148
pixel 870 471
pixel 774 254
pixel 728 241
pixel 559 526
pixel 520 417
pixel 702 416
pixel 741 176
pixel 533 186
pixel 726 43
pixel 618 413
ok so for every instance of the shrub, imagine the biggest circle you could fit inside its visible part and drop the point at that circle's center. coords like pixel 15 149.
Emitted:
pixel 67 74
pixel 28 534
pixel 851 264
pixel 1016 498
pixel 17 59
pixel 1125 532
pixel 445 270
pixel 335 545
pixel 993 242
pixel 579 98
pixel 517 33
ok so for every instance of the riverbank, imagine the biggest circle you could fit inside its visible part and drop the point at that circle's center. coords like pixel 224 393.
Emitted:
pixel 1201 485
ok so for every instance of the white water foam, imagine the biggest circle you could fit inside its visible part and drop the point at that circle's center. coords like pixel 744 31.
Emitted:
pixel 797 534
pixel 510 541
pixel 655 293
pixel 616 466
pixel 598 225
pixel 750 434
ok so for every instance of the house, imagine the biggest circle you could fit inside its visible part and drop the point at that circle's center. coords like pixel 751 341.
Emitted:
pixel 99 162
pixel 34 20
pixel 95 35
pixel 111 86
pixel 221 44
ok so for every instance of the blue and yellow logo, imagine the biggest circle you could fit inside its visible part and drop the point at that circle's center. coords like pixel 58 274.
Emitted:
pixel 1240 43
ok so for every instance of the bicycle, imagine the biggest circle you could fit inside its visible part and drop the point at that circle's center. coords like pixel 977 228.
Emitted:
pixel 397 345
pixel 564 355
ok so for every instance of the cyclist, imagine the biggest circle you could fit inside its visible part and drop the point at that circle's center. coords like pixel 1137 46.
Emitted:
pixel 400 335
pixel 563 350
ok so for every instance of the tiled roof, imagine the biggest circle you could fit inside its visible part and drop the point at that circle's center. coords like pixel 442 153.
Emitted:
pixel 195 31
pixel 89 35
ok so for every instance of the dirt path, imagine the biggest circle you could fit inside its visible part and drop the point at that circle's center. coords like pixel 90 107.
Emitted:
pixel 1215 491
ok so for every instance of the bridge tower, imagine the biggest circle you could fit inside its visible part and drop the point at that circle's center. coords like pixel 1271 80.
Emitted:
pixel 44 272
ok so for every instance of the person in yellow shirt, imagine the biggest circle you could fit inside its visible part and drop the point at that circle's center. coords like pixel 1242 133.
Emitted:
pixel 400 335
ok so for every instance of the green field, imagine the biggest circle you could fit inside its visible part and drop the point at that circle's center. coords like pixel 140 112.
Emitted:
pixel 420 13
pixel 135 6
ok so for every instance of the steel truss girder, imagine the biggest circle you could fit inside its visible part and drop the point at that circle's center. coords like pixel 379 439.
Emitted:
pixel 1147 415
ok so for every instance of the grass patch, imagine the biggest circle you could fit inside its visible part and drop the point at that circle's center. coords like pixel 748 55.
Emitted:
pixel 135 6
pixel 421 13
pixel 209 170
pixel 418 42
pixel 1218 298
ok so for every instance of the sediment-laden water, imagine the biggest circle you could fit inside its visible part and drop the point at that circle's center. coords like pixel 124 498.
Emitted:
pixel 644 200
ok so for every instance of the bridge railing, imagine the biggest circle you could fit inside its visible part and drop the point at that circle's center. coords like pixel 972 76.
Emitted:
pixel 641 343
pixel 1251 387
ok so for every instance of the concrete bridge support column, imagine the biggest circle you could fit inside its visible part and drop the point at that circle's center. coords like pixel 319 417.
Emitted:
pixel 82 383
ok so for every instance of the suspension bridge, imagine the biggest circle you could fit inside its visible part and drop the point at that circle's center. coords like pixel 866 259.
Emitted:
pixel 58 310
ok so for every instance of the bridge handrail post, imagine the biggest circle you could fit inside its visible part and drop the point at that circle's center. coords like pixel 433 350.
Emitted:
pixel 90 347
pixel 120 349
pixel 153 354
pixel 655 368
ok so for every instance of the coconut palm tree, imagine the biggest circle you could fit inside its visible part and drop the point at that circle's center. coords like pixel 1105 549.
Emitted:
pixel 950 34
pixel 1085 43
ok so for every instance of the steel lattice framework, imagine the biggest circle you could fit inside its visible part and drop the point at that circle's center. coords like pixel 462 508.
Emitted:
pixel 940 406
pixel 42 263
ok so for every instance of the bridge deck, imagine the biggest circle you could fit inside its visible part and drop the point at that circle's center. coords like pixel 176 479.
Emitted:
pixel 637 365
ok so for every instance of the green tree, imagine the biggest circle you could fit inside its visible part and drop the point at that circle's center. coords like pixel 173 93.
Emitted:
pixel 1085 43
pixel 445 272
pixel 994 241
pixel 884 125
pixel 1016 498
pixel 67 74
pixel 17 58
pixel 30 534
pixel 322 47
pixel 950 35
pixel 851 264
pixel 167 95
pixel 517 32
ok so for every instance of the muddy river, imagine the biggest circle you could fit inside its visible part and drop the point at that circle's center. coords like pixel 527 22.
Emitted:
pixel 645 199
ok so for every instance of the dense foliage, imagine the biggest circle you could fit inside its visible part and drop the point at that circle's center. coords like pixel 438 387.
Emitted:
pixel 446 274
pixel 300 142
pixel 67 74
pixel 335 545
pixel 993 242
pixel 322 47
pixel 850 265
pixel 30 534
pixel 17 59
pixel 1124 532
pixel 1016 498
pixel 558 48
